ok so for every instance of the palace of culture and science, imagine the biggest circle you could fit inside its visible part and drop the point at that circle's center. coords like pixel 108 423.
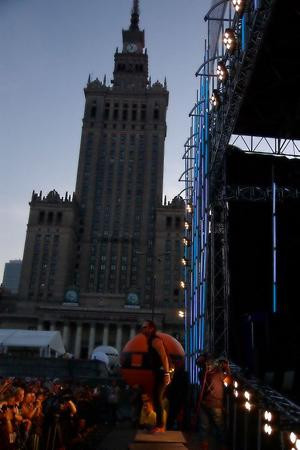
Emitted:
pixel 99 262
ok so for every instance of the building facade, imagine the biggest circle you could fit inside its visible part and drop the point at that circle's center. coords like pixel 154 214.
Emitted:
pixel 91 261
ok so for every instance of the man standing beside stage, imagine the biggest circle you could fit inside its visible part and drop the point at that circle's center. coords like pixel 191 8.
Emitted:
pixel 159 364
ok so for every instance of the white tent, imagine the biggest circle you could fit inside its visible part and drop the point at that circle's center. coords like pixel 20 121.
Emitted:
pixel 45 341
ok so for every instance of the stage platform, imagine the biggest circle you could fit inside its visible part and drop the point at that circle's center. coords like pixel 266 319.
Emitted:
pixel 170 440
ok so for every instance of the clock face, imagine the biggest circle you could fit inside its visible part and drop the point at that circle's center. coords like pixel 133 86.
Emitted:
pixel 71 296
pixel 132 299
pixel 131 47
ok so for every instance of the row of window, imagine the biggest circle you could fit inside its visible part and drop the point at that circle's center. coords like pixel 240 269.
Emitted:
pixel 50 218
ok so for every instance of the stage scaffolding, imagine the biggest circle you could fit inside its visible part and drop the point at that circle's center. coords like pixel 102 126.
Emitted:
pixel 206 190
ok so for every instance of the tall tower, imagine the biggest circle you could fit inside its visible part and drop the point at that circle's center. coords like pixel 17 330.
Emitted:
pixel 120 176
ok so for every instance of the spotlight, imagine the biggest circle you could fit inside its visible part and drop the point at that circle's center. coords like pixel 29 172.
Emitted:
pixel 189 208
pixel 215 99
pixel 230 40
pixel 268 416
pixel 247 395
pixel 186 242
pixel 222 71
pixel 239 5
pixel 248 406
pixel 293 438
pixel 268 429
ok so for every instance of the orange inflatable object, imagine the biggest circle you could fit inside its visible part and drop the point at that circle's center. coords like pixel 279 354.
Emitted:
pixel 134 369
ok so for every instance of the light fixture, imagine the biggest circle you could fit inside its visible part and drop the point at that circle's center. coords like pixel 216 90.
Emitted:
pixel 222 71
pixel 184 261
pixel 248 406
pixel 182 284
pixel 181 314
pixel 230 40
pixel 298 444
pixel 293 438
pixel 189 208
pixel 215 99
pixel 268 416
pixel 247 395
pixel 239 5
pixel 186 225
pixel 186 242
pixel 236 384
pixel 268 429
pixel 235 393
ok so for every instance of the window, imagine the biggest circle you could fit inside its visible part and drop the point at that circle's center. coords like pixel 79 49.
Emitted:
pixel 50 218
pixel 156 114
pixel 41 217
pixel 93 112
pixel 169 222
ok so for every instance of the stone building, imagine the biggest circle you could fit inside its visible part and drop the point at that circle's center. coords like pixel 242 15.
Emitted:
pixel 91 265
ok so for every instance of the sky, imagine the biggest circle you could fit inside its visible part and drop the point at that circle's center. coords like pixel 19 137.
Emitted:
pixel 47 50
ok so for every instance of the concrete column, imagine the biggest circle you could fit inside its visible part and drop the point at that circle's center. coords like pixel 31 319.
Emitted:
pixel 92 337
pixel 78 340
pixel 119 338
pixel 66 335
pixel 105 335
pixel 132 333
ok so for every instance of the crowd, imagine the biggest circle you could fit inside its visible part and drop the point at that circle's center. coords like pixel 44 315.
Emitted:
pixel 53 415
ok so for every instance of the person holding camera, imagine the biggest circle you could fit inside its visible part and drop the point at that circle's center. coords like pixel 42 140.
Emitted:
pixel 212 375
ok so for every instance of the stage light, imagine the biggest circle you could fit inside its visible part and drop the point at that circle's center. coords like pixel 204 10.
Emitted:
pixel 215 99
pixel 222 71
pixel 189 208
pixel 184 261
pixel 186 242
pixel 230 40
pixel 239 5
pixel 293 438
pixel 268 416
pixel 268 429
pixel 248 406
pixel 247 395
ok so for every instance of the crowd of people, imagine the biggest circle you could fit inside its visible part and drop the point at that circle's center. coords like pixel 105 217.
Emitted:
pixel 40 414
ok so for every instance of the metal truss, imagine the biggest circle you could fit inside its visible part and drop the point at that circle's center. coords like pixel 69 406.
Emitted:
pixel 267 146
pixel 269 398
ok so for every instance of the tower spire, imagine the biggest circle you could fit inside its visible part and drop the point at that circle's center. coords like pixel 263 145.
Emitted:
pixel 135 16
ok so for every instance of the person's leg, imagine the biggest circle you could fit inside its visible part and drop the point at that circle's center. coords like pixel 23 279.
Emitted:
pixel 217 419
pixel 158 393
pixel 204 426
